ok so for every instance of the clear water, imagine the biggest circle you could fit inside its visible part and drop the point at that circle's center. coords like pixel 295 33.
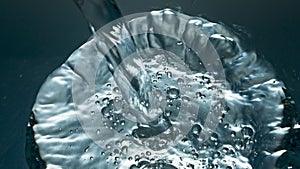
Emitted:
pixel 158 100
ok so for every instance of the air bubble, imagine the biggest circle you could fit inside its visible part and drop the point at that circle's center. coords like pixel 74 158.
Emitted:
pixel 86 149
pixel 185 98
pixel 116 151
pixel 116 90
pixel 137 157
pixel 98 131
pixel 169 74
pixel 233 134
pixel 105 100
pixel 217 154
pixel 168 113
pixel 122 123
pixel 108 146
pixel 92 112
pixel 226 125
pixel 179 43
pixel 180 81
pixel 214 137
pixel 247 132
pixel 124 149
pixel 196 129
pixel 173 93
pixel 148 153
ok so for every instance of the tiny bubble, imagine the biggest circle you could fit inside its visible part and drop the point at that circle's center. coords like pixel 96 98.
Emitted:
pixel 86 149
pixel 233 134
pixel 179 43
pixel 108 146
pixel 116 89
pixel 136 157
pixel 98 131
pixel 226 126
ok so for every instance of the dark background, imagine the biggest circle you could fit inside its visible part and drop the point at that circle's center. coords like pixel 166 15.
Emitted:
pixel 37 36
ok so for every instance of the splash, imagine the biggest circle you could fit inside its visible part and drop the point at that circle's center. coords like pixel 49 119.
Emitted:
pixel 162 90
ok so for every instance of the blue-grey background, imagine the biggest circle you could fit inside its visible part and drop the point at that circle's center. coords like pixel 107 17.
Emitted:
pixel 37 36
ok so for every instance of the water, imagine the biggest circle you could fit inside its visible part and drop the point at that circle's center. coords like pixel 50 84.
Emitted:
pixel 163 90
